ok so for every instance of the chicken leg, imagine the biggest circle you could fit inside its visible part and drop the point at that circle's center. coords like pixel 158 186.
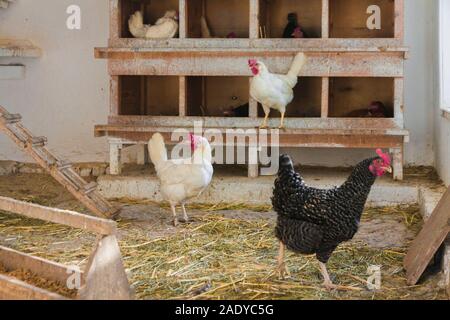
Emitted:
pixel 185 216
pixel 282 121
pixel 174 212
pixel 282 269
pixel 328 284
pixel 264 124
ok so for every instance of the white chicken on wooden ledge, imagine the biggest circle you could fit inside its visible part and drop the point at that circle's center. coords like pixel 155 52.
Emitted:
pixel 182 179
pixel 274 91
pixel 165 28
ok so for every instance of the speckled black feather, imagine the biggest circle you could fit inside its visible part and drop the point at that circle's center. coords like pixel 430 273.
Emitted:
pixel 316 221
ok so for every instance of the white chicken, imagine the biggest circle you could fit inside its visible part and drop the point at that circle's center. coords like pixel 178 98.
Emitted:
pixel 274 91
pixel 182 179
pixel 165 28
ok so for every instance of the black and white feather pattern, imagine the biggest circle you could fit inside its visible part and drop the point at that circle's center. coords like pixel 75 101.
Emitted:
pixel 316 221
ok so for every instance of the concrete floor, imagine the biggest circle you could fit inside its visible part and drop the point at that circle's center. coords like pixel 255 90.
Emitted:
pixel 231 185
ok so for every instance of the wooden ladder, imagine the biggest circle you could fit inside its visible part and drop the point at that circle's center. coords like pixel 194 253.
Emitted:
pixel 61 171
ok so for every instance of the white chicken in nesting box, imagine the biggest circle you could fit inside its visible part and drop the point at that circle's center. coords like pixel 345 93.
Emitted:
pixel 274 91
pixel 164 28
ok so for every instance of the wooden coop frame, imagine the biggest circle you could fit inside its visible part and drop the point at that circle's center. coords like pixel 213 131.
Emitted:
pixel 104 277
pixel 157 85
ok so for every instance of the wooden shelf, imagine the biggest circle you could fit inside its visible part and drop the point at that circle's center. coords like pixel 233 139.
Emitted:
pixel 349 66
pixel 18 48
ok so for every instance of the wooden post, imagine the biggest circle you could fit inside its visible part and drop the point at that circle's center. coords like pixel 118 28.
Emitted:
pixel 399 101
pixel 325 97
pixel 115 149
pixel 325 19
pixel 114 22
pixel 182 96
pixel 141 154
pixel 183 19
pixel 254 19
pixel 399 20
pixel 397 163
pixel 114 96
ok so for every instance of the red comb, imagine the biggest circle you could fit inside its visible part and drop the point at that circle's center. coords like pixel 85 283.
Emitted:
pixel 385 156
pixel 192 137
pixel 252 62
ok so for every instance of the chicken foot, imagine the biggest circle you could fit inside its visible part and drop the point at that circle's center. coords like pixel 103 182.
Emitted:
pixel 185 216
pixel 328 284
pixel 282 269
pixel 264 124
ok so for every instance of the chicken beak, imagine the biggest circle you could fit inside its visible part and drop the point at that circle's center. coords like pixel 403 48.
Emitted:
pixel 388 169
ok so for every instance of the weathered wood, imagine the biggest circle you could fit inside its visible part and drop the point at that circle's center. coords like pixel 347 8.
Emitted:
pixel 325 97
pixel 115 150
pixel 220 63
pixel 383 125
pixel 14 260
pixel 288 138
pixel 183 19
pixel 18 48
pixel 399 20
pixel 254 19
pixel 105 275
pixel 307 45
pixel 68 178
pixel 65 217
pixel 114 20
pixel 397 163
pixel 425 246
pixel 399 101
pixel 13 289
pixel 325 19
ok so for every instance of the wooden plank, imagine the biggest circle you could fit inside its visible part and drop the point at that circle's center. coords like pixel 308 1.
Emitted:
pixel 386 126
pixel 325 97
pixel 14 289
pixel 65 217
pixel 399 101
pixel 331 44
pixel 14 260
pixel 399 20
pixel 325 19
pixel 183 19
pixel 105 276
pixel 220 63
pixel 114 95
pixel 254 19
pixel 183 97
pixel 307 138
pixel 18 48
pixel 114 20
pixel 428 241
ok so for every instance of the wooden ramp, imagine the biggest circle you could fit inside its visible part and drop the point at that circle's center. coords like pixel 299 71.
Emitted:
pixel 104 277
pixel 61 171
pixel 428 241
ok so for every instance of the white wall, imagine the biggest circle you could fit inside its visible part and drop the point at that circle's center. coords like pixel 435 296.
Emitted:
pixel 66 91
pixel 442 124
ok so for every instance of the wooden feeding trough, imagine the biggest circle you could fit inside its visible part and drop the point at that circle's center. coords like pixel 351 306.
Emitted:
pixel 163 85
pixel 104 277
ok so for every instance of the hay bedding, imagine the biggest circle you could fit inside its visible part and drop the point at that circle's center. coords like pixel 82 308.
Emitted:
pixel 227 252
pixel 217 257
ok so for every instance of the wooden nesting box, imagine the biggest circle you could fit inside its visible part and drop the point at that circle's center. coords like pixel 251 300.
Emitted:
pixel 162 85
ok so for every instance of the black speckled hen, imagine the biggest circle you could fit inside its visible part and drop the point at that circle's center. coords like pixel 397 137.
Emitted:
pixel 316 221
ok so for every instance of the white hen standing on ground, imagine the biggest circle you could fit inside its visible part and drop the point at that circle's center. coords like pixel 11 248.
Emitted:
pixel 274 91
pixel 182 179
pixel 165 28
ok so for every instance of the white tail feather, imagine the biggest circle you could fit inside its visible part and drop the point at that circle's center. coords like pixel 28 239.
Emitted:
pixel 297 65
pixel 157 149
